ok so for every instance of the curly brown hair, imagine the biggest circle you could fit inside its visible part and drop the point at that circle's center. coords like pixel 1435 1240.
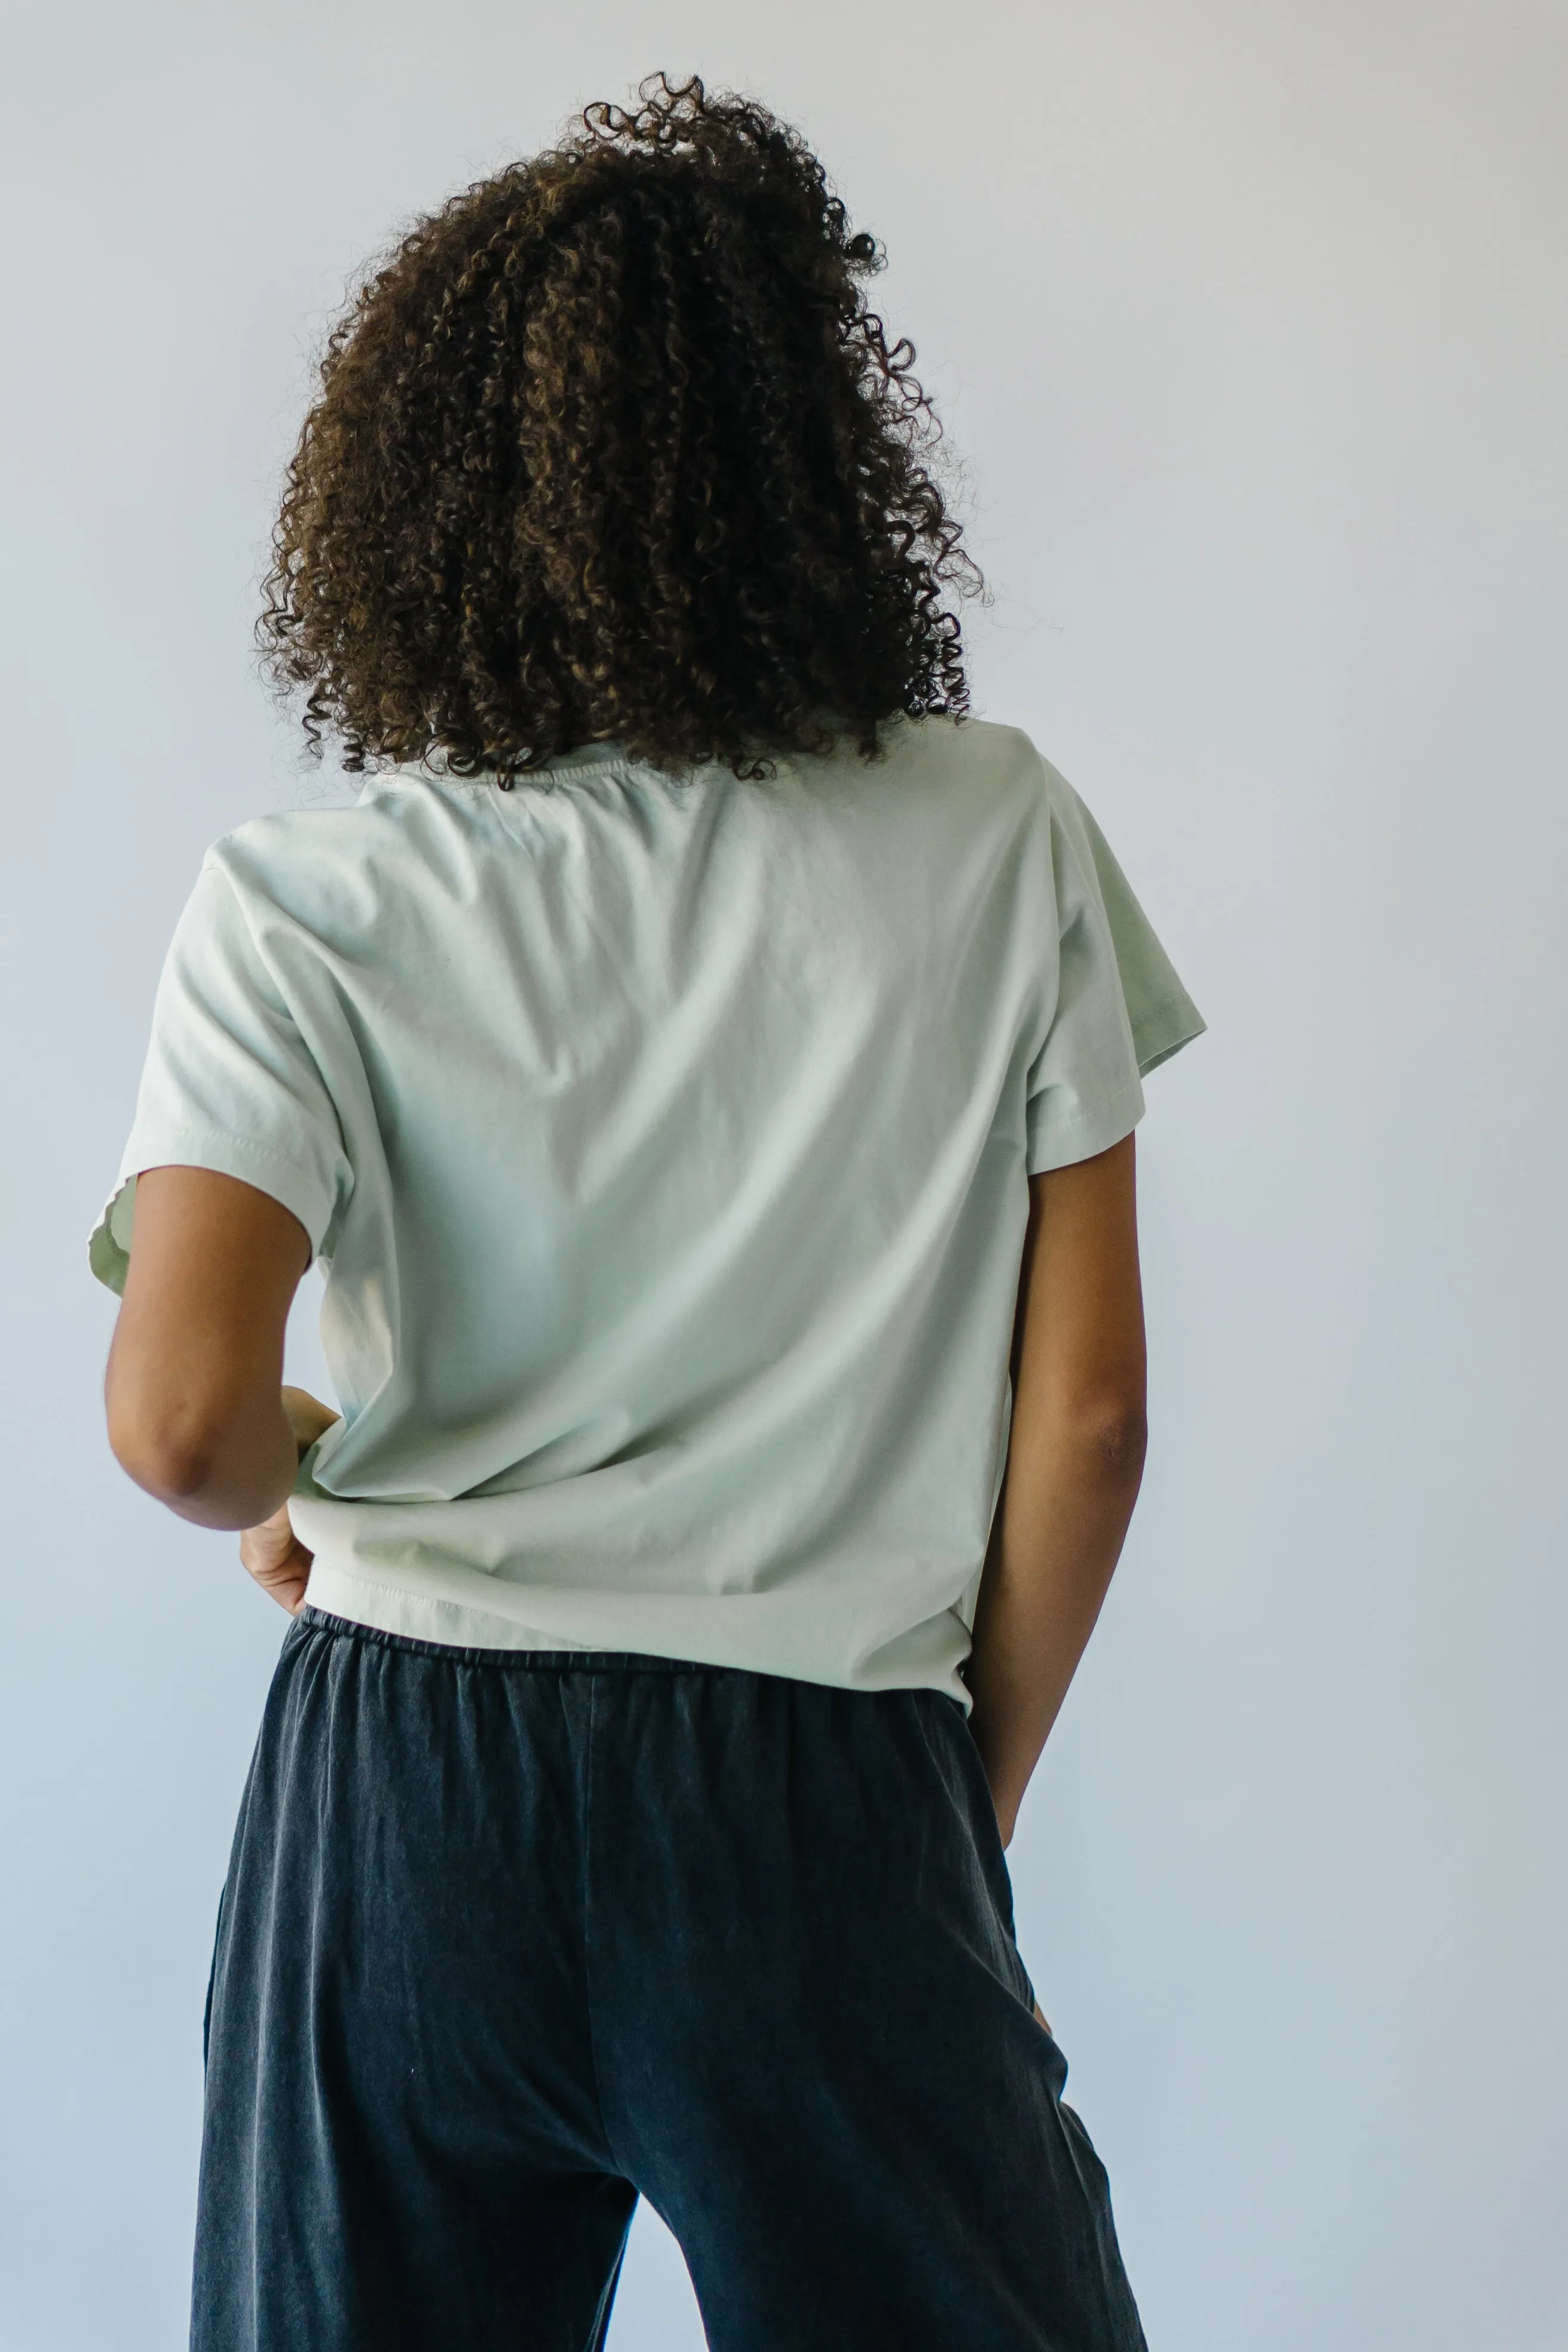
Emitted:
pixel 610 448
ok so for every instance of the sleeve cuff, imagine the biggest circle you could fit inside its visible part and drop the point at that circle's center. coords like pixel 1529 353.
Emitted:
pixel 1061 1143
pixel 108 1245
pixel 300 1190
pixel 1165 1029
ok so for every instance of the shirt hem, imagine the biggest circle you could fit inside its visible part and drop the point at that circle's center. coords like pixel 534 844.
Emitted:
pixel 454 1625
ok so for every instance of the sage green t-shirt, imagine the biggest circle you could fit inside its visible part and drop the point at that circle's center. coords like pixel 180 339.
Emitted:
pixel 665 1147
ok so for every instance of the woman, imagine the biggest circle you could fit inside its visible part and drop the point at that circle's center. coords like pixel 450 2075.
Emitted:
pixel 705 1062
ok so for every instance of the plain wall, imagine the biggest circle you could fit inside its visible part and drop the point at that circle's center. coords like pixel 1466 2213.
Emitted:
pixel 1247 324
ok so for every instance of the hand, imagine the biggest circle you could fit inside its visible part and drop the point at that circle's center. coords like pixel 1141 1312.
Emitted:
pixel 307 1417
pixel 272 1551
pixel 278 1559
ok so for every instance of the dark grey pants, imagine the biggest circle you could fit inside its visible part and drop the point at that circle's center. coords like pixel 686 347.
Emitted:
pixel 507 1941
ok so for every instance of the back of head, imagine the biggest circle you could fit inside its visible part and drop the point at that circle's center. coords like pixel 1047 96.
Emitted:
pixel 612 448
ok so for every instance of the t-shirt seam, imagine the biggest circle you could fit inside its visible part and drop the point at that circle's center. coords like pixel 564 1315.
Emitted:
pixel 220 865
pixel 401 1591
pixel 1095 1110
pixel 310 1179
pixel 1175 1002
pixel 222 1134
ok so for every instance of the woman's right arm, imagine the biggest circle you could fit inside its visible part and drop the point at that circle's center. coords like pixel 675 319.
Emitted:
pixel 1075 1460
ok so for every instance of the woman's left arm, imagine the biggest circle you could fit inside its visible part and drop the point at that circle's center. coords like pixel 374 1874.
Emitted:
pixel 197 1413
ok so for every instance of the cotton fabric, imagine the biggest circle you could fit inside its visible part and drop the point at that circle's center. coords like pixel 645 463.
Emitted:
pixel 507 1941
pixel 665 1147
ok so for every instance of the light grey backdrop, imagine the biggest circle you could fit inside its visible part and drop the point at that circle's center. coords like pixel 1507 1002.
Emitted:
pixel 1249 325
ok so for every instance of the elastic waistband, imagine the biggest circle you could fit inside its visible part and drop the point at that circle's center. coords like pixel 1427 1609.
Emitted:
pixel 578 1661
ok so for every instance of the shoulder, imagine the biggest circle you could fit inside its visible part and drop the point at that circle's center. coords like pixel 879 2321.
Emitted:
pixel 1001 784
pixel 1011 761
pixel 963 748
pixel 960 771
pixel 324 867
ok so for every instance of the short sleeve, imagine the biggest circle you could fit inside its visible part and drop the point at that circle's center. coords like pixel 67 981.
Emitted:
pixel 1121 1009
pixel 228 1082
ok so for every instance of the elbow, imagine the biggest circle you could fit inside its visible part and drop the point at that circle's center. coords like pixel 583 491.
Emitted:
pixel 172 1464
pixel 1112 1438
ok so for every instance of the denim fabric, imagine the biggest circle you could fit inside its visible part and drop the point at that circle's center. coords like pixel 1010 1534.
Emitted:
pixel 508 1939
